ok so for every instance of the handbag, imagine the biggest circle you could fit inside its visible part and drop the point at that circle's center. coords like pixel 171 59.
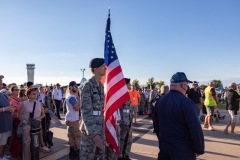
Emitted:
pixel 35 124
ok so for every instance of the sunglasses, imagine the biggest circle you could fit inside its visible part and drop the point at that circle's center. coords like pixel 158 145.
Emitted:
pixel 16 89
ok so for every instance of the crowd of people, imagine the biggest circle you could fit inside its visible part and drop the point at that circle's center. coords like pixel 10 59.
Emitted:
pixel 174 111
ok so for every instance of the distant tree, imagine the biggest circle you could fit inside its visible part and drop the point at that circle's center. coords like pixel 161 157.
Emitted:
pixel 135 82
pixel 150 83
pixel 160 83
pixel 218 83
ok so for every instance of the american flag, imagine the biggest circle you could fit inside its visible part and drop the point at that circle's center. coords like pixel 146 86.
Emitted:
pixel 116 92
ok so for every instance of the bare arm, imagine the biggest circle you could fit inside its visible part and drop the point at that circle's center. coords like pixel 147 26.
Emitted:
pixel 20 111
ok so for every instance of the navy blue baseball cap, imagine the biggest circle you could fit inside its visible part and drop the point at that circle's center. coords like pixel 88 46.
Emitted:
pixel 195 82
pixel 73 83
pixel 127 80
pixel 96 62
pixel 179 77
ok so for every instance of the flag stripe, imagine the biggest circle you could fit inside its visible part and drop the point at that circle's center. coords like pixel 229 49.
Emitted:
pixel 112 91
pixel 111 110
pixel 110 138
pixel 113 81
pixel 113 65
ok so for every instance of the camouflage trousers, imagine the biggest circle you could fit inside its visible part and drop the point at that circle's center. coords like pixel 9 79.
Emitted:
pixel 89 150
pixel 122 140
pixel 142 107
pixel 110 153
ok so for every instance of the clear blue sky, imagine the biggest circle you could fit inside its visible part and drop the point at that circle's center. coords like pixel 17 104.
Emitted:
pixel 153 38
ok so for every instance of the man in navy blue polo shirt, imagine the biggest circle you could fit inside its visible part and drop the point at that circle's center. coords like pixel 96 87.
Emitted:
pixel 176 123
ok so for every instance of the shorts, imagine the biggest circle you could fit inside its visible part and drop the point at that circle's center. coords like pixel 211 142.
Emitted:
pixel 233 117
pixel 134 109
pixel 210 110
pixel 4 137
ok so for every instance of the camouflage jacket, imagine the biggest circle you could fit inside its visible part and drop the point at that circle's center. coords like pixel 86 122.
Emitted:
pixel 92 102
pixel 126 113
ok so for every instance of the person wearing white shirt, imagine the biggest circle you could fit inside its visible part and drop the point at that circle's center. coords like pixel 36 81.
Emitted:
pixel 57 99
pixel 72 120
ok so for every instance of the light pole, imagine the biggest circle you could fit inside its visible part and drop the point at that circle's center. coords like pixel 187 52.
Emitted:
pixel 83 71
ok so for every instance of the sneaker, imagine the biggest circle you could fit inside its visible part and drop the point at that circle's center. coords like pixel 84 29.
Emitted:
pixel 233 134
pixel 205 126
pixel 45 149
pixel 210 128
pixel 225 131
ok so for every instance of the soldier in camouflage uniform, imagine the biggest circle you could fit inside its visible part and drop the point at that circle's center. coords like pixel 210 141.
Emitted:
pixel 142 102
pixel 125 124
pixel 92 126
pixel 154 93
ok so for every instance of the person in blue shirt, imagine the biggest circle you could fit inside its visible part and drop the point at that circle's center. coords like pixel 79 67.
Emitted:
pixel 176 123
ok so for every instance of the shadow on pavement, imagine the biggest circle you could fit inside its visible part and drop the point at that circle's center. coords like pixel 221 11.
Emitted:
pixel 141 157
pixel 236 144
pixel 222 154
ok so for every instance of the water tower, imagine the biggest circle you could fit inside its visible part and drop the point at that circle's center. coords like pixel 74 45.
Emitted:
pixel 30 72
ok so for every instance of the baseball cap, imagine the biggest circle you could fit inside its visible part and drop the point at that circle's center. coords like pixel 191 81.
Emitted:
pixel 195 82
pixel 127 80
pixel 179 77
pixel 96 62
pixel 72 83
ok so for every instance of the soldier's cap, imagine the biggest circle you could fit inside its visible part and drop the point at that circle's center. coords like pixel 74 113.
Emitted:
pixel 29 84
pixel 73 83
pixel 179 77
pixel 195 82
pixel 96 62
pixel 127 80
pixel 58 84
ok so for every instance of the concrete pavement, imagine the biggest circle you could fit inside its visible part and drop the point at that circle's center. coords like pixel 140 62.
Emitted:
pixel 218 145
